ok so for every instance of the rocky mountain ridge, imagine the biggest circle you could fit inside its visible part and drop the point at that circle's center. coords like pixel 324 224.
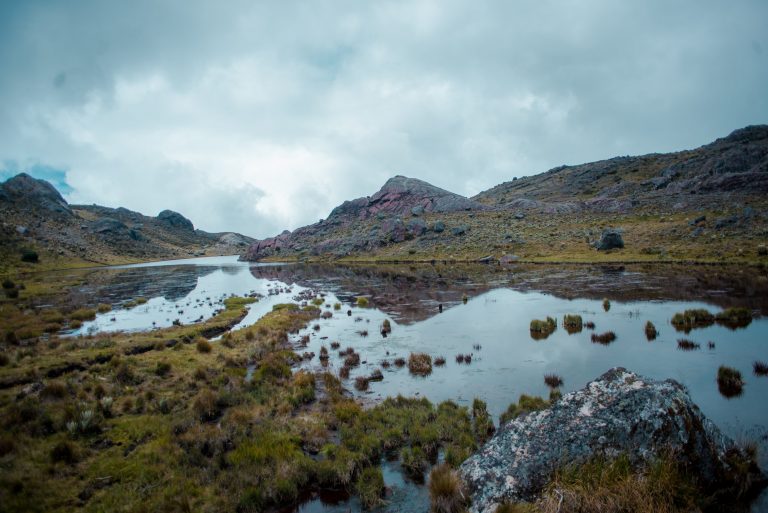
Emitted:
pixel 558 211
pixel 36 217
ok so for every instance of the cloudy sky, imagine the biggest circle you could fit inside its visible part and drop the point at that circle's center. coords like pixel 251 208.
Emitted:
pixel 261 116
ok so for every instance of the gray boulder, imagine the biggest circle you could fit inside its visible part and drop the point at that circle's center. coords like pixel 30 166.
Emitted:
pixel 618 413
pixel 175 220
pixel 438 227
pixel 610 239
pixel 393 230
pixel 417 227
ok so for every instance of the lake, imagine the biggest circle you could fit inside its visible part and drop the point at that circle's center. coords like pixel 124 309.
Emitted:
pixel 479 310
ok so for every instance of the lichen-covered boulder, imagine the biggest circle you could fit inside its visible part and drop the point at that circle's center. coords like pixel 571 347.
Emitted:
pixel 618 413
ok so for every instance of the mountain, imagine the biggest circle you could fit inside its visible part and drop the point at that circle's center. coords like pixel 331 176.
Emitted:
pixel 36 217
pixel 705 204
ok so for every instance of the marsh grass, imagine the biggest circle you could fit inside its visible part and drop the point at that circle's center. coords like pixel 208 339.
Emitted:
pixel 685 344
pixel 446 490
pixel 692 319
pixel 553 380
pixel 420 364
pixel 525 404
pixel 650 331
pixel 760 368
pixel 734 318
pixel 542 329
pixel 603 338
pixel 572 323
pixel 729 382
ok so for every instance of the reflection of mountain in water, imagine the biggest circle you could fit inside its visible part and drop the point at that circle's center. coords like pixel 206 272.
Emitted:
pixel 411 293
pixel 117 285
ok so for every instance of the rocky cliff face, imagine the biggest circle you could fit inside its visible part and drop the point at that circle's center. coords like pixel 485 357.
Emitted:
pixel 618 413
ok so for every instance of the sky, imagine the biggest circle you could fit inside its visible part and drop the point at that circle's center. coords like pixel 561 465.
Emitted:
pixel 262 116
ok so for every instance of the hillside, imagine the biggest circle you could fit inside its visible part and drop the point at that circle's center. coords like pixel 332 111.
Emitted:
pixel 706 204
pixel 35 217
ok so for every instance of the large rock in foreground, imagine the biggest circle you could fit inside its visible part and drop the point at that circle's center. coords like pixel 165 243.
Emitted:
pixel 620 412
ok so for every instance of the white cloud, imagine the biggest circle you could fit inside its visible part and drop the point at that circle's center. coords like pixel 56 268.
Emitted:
pixel 257 117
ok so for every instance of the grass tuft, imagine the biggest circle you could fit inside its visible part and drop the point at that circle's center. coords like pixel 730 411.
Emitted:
pixel 446 490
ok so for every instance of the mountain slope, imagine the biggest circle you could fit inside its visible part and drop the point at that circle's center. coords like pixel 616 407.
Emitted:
pixel 705 204
pixel 36 217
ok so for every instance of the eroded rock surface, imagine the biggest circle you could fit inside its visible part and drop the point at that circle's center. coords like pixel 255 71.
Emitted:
pixel 620 412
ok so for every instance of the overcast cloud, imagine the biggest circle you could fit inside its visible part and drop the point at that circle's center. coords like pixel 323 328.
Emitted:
pixel 262 116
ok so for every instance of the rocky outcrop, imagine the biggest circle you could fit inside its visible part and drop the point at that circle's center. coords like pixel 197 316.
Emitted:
pixel 175 220
pixel 618 413
pixel 30 193
pixel 403 196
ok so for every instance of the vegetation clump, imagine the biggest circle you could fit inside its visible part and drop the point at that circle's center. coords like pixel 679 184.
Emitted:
pixel 603 338
pixel 692 319
pixel 734 318
pixel 386 327
pixel 446 490
pixel 542 329
pixel 482 424
pixel 729 381
pixel 370 487
pixel 203 346
pixel 606 304
pixel 589 325
pixel 439 361
pixel 525 404
pixel 553 380
pixel 362 302
pixel 760 368
pixel 103 308
pixel 572 323
pixel 420 364
pixel 650 331
pixel 685 344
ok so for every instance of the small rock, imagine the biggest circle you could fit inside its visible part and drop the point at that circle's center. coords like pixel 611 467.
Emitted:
pixel 22 230
pixel 519 215
pixel 698 220
pixel 438 227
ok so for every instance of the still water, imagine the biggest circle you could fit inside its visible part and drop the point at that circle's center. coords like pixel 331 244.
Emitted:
pixel 486 312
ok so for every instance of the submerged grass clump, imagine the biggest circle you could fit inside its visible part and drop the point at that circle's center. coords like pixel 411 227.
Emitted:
pixel 542 329
pixel 729 381
pixel 692 319
pixel 553 380
pixel 439 361
pixel 760 368
pixel 650 331
pixel 603 338
pixel 734 317
pixel 687 345
pixel 572 323
pixel 420 364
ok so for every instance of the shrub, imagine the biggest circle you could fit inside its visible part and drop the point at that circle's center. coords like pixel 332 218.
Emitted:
pixel 650 331
pixel 420 364
pixel 65 452
pixel 572 323
pixel 446 490
pixel 75 324
pixel 553 380
pixel 603 338
pixel 362 302
pixel 729 381
pixel 206 406
pixel 370 487
pixel 29 256
pixel 760 368
pixel 203 345
pixel 162 369
pixel 83 314
pixel 103 308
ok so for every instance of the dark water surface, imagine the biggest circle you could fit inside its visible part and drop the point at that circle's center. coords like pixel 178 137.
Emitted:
pixel 500 303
